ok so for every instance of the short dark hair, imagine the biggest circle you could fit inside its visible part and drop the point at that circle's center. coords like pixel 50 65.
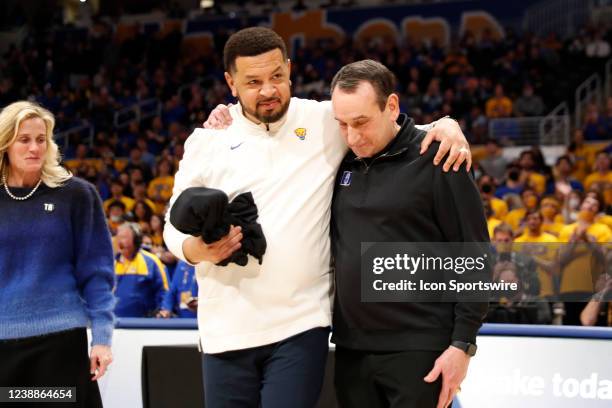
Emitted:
pixel 380 77
pixel 250 42
pixel 566 158
pixel 532 211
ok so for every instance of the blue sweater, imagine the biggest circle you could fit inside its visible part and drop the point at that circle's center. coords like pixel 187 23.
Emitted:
pixel 56 263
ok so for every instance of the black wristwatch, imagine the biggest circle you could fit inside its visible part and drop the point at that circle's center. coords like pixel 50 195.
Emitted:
pixel 468 348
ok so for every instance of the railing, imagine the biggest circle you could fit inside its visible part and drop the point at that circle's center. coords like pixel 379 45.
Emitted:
pixel 525 131
pixel 558 16
pixel 555 127
pixel 139 111
pixel 86 132
pixel 588 92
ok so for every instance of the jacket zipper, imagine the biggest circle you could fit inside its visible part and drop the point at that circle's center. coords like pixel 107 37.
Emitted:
pixel 384 155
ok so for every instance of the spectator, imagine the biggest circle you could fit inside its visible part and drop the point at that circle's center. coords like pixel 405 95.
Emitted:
pixel 137 162
pixel 602 173
pixel 582 154
pixel 182 299
pixel 514 182
pixel 494 164
pixel 529 201
pixel 116 213
pixel 528 104
pixel 505 252
pixel 157 226
pixel 141 277
pixel 563 182
pixel 499 106
pixel 594 127
pixel 531 164
pixel 517 307
pixel 540 246
pixel 160 188
pixel 432 100
pixel 117 195
pixel 552 220
pixel 142 215
pixel 492 221
pixel 582 260
pixel 499 207
pixel 412 99
pixel 140 194
pixel 147 157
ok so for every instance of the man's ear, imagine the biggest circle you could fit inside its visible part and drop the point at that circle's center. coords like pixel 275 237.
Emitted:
pixel 393 106
pixel 230 82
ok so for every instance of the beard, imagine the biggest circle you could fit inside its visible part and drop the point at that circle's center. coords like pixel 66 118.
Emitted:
pixel 269 116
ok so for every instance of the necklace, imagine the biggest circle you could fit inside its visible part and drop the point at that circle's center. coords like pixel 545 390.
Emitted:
pixel 14 197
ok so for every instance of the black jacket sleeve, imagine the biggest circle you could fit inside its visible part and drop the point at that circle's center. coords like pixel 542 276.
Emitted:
pixel 460 214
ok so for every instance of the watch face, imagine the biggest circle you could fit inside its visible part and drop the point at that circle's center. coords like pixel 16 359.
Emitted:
pixel 471 350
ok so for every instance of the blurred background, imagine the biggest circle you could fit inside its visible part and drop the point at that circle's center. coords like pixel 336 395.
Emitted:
pixel 528 81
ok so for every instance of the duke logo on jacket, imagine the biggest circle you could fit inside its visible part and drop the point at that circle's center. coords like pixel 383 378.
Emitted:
pixel 345 180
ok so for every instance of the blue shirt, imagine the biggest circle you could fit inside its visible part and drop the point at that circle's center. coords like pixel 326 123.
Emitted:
pixel 184 286
pixel 141 285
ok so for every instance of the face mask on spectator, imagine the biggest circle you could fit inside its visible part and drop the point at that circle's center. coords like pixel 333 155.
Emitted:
pixel 514 175
pixel 115 218
pixel 487 188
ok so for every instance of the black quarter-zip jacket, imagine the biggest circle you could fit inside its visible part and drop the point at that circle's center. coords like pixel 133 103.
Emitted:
pixel 400 196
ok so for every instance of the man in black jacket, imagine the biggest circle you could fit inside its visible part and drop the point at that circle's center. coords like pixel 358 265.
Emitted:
pixel 393 354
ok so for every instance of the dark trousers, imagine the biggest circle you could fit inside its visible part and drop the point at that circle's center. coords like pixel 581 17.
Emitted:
pixel 385 380
pixel 280 375
pixel 53 360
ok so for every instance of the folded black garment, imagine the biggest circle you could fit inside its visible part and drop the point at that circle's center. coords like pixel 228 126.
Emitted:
pixel 205 212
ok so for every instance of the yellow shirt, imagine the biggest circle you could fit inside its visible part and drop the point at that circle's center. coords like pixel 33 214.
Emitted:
pixel 499 108
pixel 540 247
pixel 597 178
pixel 491 224
pixel 578 275
pixel 515 217
pixel 74 164
pixel 605 219
pixel 127 201
pixel 538 182
pixel 553 228
pixel 162 186
pixel 499 207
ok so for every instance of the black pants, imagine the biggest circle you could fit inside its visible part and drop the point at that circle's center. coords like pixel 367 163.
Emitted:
pixel 385 380
pixel 280 375
pixel 53 360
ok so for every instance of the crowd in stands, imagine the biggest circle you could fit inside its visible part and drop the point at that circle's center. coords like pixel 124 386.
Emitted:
pixel 87 78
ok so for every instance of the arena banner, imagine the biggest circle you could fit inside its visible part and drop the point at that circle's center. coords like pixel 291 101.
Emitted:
pixel 431 23
pixel 516 366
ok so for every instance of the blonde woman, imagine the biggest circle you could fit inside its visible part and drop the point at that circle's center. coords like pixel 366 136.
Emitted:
pixel 56 264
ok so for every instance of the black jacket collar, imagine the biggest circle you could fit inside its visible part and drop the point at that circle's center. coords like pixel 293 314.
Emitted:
pixel 406 139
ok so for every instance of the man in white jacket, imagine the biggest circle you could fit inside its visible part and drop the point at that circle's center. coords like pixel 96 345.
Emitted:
pixel 264 328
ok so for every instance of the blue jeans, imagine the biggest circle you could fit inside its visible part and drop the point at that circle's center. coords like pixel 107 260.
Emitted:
pixel 280 375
